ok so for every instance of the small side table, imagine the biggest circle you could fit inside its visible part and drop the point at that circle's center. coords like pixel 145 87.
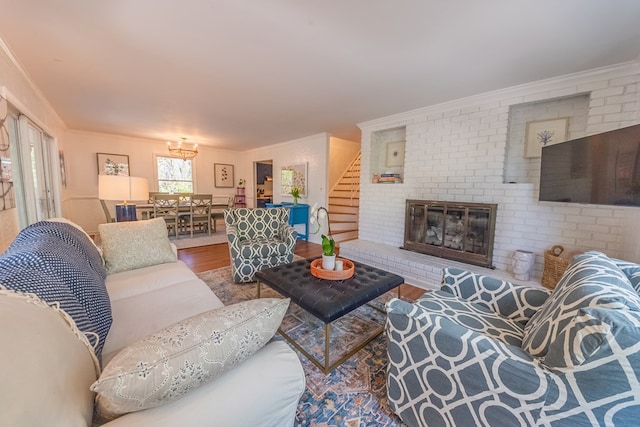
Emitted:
pixel 298 214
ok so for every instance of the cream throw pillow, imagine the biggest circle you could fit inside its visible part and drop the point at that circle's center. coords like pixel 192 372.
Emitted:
pixel 168 364
pixel 135 244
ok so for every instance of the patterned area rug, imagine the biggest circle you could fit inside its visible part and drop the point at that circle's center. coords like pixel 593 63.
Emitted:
pixel 353 394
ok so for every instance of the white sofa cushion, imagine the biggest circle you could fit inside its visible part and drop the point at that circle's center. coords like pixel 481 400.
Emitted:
pixel 130 283
pixel 263 392
pixel 47 365
pixel 146 244
pixel 168 364
pixel 141 315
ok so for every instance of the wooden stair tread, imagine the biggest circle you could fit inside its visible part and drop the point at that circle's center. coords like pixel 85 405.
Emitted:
pixel 333 233
pixel 344 199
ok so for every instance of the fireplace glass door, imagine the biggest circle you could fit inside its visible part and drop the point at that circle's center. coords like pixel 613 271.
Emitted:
pixel 453 230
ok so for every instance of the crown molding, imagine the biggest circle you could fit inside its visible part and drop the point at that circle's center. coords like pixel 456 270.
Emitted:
pixel 511 93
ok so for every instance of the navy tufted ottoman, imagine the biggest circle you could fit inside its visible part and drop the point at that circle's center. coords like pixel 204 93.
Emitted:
pixel 328 300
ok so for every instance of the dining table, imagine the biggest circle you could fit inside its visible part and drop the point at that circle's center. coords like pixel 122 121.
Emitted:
pixel 145 210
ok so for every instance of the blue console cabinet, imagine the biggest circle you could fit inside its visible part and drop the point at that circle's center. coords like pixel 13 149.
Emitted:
pixel 298 214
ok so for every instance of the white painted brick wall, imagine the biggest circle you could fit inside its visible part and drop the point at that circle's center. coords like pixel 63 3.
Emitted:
pixel 521 169
pixel 457 152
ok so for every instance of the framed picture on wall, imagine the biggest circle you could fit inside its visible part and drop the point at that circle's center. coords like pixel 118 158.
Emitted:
pixel 223 175
pixel 6 170
pixel 395 154
pixel 7 195
pixel 293 176
pixel 542 133
pixel 63 169
pixel 113 164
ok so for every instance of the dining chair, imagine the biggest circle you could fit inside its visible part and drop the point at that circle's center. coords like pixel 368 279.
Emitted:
pixel 167 206
pixel 153 193
pixel 200 212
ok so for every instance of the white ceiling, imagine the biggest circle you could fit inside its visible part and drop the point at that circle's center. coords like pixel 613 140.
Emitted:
pixel 239 74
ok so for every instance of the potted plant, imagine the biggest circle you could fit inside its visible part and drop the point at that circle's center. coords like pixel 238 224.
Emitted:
pixel 328 244
pixel 296 195
pixel 328 253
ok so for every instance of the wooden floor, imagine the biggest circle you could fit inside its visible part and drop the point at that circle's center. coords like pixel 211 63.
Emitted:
pixel 205 258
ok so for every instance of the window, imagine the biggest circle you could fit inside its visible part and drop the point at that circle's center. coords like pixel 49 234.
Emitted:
pixel 174 175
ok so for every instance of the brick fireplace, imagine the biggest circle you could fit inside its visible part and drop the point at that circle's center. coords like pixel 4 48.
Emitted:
pixel 472 151
pixel 452 230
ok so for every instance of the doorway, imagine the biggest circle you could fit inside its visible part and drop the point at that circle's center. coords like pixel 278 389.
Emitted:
pixel 264 182
pixel 37 151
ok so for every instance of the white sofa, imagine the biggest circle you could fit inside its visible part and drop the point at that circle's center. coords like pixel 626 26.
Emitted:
pixel 47 368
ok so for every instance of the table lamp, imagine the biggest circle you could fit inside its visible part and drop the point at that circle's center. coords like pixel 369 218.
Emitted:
pixel 125 188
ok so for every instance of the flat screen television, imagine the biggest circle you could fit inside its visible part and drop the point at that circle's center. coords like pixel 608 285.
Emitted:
pixel 601 169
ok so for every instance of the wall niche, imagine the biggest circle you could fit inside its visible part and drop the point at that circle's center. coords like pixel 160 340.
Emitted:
pixel 388 155
pixel 519 168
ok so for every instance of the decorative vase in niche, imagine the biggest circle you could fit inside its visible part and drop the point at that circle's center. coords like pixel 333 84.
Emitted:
pixel 522 264
pixel 328 262
pixel 295 201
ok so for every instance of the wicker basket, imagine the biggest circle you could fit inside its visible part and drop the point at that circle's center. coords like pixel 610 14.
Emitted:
pixel 554 266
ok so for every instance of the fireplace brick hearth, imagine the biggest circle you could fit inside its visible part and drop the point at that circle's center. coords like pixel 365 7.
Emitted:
pixel 424 271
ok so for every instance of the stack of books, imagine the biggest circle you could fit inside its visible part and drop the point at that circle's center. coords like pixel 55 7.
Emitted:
pixel 390 178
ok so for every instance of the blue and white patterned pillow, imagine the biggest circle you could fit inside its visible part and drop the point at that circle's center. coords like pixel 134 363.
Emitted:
pixel 631 270
pixel 598 374
pixel 594 333
pixel 58 263
pixel 591 280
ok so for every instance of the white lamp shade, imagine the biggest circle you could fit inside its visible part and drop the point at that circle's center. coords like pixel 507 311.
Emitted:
pixel 122 188
pixel 139 188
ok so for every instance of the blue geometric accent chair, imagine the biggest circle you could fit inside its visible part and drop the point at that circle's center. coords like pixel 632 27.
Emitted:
pixel 486 352
pixel 258 238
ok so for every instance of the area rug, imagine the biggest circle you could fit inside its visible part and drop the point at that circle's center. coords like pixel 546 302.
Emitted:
pixel 353 394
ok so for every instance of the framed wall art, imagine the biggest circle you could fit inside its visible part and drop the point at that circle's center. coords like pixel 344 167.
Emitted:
pixel 542 133
pixel 293 176
pixel 223 175
pixel 7 195
pixel 113 164
pixel 395 154
pixel 63 169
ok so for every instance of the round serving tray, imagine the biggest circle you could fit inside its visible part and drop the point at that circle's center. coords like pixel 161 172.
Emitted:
pixel 319 272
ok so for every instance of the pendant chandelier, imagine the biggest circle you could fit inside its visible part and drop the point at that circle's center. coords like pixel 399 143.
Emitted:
pixel 183 149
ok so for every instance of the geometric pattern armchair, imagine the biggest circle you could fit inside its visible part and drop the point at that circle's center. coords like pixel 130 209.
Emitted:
pixel 258 238
pixel 485 352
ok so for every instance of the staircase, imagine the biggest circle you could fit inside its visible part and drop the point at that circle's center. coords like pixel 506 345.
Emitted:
pixel 344 204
